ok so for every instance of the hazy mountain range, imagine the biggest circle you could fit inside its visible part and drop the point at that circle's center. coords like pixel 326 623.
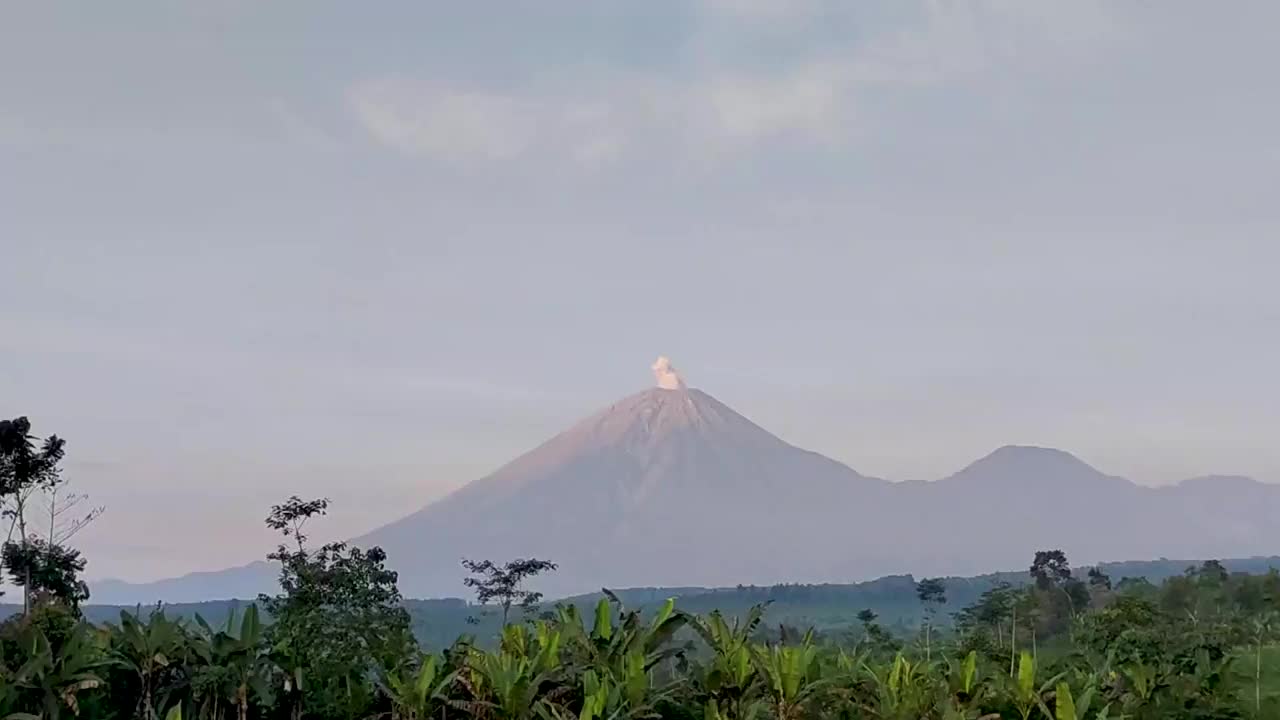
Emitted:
pixel 671 487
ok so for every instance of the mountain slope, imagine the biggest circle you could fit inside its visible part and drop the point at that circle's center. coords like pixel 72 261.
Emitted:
pixel 666 486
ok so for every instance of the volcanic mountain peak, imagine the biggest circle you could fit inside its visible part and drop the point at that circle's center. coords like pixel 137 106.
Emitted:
pixel 659 414
pixel 666 375
pixel 671 487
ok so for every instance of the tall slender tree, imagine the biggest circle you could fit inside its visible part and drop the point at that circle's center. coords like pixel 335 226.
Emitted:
pixel 932 593
pixel 505 583
pixel 25 470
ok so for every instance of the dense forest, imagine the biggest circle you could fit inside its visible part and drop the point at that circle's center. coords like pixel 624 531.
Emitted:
pixel 337 640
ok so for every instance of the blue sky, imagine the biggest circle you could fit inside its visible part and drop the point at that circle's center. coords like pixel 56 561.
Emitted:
pixel 256 249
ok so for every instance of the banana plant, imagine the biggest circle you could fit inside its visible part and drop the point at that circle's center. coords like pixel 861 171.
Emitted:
pixel 722 637
pixel 10 695
pixel 966 688
pixel 240 657
pixel 604 698
pixel 792 676
pixel 502 685
pixel 1142 681
pixel 415 695
pixel 610 643
pixel 1025 694
pixel 903 690
pixel 1206 683
pixel 60 677
pixel 742 710
pixel 512 683
pixel 730 680
pixel 964 674
pixel 292 666
pixel 1067 707
pixel 147 649
pixel 541 645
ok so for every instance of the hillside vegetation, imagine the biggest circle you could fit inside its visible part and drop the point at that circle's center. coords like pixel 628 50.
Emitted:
pixel 826 608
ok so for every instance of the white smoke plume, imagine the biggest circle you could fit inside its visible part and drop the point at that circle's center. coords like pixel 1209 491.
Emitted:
pixel 666 374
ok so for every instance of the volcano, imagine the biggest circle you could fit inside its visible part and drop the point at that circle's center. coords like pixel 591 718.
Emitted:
pixel 667 486
pixel 671 487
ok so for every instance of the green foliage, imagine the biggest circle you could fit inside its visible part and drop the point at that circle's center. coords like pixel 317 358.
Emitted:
pixel 336 643
pixel 46 571
pixel 417 690
pixel 22 464
pixel 44 567
pixel 337 620
pixel 1130 659
pixel 149 651
pixel 932 593
pixel 56 678
pixel 1050 568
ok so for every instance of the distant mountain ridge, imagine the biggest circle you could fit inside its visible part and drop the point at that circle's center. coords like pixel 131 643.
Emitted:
pixel 671 487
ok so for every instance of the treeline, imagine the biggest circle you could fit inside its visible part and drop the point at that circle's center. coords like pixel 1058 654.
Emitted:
pixel 828 608
pixel 337 642
pixel 1196 646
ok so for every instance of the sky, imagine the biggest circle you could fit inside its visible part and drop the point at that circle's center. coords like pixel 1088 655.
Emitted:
pixel 249 250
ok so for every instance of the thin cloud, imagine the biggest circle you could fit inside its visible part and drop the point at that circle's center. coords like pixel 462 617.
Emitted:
pixel 471 125
pixel 604 120
pixel 710 107
pixel 447 123
pixel 811 101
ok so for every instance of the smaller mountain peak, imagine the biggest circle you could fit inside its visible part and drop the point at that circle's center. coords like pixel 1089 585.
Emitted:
pixel 1221 482
pixel 1029 452
pixel 666 375
pixel 1028 463
pixel 1034 457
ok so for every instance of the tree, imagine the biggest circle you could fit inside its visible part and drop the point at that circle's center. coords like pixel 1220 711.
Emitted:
pixel 1050 569
pixel 46 571
pixel 289 517
pixel 1136 586
pixel 1212 573
pixel 1099 579
pixel 503 584
pixel 24 470
pixel 1077 594
pixel 874 634
pixel 1026 610
pixel 932 593
pixel 993 609
pixel 338 618
pixel 1057 595
pixel 66 514
pixel 42 564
